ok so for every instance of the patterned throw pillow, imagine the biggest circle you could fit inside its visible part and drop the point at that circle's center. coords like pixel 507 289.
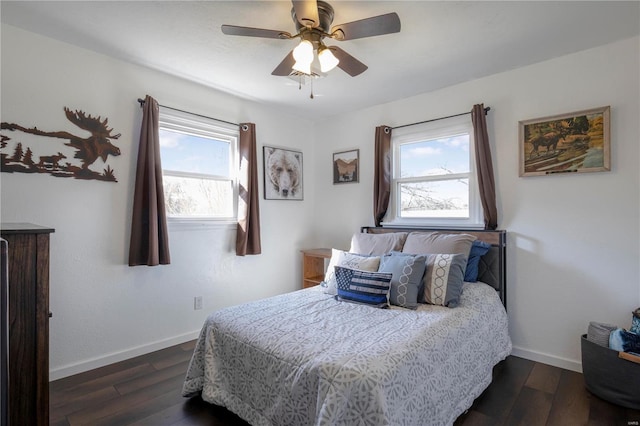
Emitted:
pixel 368 288
pixel 349 260
pixel 407 271
pixel 443 279
pixel 478 249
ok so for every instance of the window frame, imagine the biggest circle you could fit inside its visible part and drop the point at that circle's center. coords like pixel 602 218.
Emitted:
pixel 430 131
pixel 196 125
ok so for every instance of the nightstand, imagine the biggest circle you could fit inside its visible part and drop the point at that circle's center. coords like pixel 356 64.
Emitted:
pixel 313 266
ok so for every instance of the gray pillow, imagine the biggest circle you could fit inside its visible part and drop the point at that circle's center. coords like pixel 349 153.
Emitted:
pixel 438 242
pixel 377 244
pixel 443 279
pixel 407 271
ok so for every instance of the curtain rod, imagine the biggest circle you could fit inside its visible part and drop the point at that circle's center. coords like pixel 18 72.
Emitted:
pixel 486 110
pixel 141 101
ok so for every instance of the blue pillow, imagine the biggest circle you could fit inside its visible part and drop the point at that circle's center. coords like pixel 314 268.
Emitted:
pixel 407 271
pixel 478 249
pixel 368 288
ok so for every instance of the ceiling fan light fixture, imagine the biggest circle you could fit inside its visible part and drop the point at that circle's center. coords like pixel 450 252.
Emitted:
pixel 303 67
pixel 327 59
pixel 313 20
pixel 303 53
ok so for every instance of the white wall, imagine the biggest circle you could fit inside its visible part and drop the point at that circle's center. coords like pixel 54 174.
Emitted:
pixel 104 310
pixel 573 254
pixel 573 239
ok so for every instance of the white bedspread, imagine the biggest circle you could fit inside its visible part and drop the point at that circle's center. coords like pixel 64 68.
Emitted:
pixel 303 358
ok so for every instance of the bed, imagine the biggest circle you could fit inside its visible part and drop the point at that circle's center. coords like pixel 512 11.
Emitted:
pixel 311 358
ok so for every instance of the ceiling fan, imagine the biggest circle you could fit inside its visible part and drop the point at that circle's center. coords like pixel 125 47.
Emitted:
pixel 313 21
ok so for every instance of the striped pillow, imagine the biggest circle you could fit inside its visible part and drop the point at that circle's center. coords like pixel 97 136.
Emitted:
pixel 443 279
pixel 368 288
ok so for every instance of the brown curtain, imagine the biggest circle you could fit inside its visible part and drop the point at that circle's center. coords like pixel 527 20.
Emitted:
pixel 382 173
pixel 484 167
pixel 248 235
pixel 149 243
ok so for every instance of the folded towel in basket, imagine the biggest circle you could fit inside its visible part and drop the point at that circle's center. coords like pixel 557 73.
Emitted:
pixel 598 333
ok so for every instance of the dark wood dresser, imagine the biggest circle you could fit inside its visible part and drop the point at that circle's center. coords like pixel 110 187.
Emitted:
pixel 28 267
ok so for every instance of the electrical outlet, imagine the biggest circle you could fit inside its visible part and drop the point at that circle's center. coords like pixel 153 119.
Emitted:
pixel 197 303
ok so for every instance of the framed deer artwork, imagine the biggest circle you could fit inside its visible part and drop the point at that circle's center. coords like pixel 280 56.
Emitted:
pixel 566 143
pixel 346 166
pixel 60 153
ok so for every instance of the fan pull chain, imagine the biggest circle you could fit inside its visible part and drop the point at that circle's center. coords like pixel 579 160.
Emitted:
pixel 303 76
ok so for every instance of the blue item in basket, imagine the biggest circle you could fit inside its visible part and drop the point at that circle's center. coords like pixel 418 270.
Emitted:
pixel 623 341
pixel 635 322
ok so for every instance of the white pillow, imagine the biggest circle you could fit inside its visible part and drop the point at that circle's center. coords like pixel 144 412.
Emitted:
pixel 348 260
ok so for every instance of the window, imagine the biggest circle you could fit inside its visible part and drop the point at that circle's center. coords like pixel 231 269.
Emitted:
pixel 198 155
pixel 434 181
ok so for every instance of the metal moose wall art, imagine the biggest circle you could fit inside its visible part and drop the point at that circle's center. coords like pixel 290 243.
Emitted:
pixel 39 155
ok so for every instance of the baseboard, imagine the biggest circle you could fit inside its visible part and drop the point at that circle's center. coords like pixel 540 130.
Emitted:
pixel 90 364
pixel 556 361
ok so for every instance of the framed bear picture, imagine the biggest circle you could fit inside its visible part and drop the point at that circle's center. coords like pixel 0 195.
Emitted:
pixel 282 174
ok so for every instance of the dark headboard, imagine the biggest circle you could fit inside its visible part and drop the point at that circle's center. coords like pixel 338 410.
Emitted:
pixel 493 265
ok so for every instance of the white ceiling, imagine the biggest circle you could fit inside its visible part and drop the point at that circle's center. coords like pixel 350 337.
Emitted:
pixel 440 44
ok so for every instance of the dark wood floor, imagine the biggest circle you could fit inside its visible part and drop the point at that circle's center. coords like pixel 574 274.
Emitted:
pixel 146 391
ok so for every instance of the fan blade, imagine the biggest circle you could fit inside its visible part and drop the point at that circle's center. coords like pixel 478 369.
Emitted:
pixel 307 12
pixel 285 67
pixel 348 63
pixel 377 25
pixel 254 32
